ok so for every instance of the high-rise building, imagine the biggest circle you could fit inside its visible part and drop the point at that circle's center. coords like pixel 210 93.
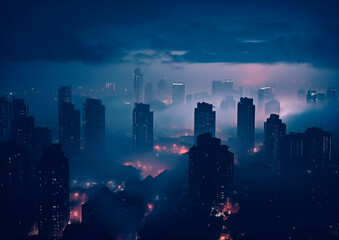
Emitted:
pixel 293 158
pixel 5 119
pixel 53 191
pixel 265 94
pixel 272 107
pixel 318 148
pixel 178 93
pixel 94 130
pixel 274 132
pixel 210 171
pixel 163 91
pixel 138 86
pixel 142 128
pixel 204 120
pixel 189 98
pixel 331 94
pixel 311 97
pixel 22 125
pixel 149 93
pixel 42 136
pixel 69 123
pixel 222 88
pixel 246 124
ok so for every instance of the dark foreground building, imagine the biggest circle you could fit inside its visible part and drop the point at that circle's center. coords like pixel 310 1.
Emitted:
pixel 210 171
pixel 142 128
pixel 53 172
pixel 204 120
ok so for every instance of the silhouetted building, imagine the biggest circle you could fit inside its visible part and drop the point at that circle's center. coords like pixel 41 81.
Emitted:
pixel 265 94
pixel 222 88
pixel 204 120
pixel 53 190
pixel 246 124
pixel 210 171
pixel 94 130
pixel 69 124
pixel 274 132
pixel 311 97
pixel 42 136
pixel 272 107
pixel 318 148
pixel 293 158
pixel 320 97
pixel 142 128
pixel 149 93
pixel 138 86
pixel 5 119
pixel 331 94
pixel 178 93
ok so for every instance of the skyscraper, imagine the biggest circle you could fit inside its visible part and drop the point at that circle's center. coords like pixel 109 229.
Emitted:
pixel 274 132
pixel 272 107
pixel 265 94
pixel 318 148
pixel 210 171
pixel 94 130
pixel 331 94
pixel 69 123
pixel 222 88
pixel 149 93
pixel 178 93
pixel 5 119
pixel 293 158
pixel 138 87
pixel 53 190
pixel 311 97
pixel 204 120
pixel 246 124
pixel 142 128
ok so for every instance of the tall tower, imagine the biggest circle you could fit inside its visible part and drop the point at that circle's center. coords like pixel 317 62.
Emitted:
pixel 53 174
pixel 272 107
pixel 222 88
pixel 69 123
pixel 138 92
pixel 204 120
pixel 178 93
pixel 274 132
pixel 246 124
pixel 94 129
pixel 210 171
pixel 142 128
pixel 149 93
pixel 265 94
pixel 5 119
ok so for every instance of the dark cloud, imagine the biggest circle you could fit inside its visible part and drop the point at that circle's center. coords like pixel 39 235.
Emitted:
pixel 214 31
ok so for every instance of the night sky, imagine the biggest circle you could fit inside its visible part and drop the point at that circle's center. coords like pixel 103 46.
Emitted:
pixel 45 44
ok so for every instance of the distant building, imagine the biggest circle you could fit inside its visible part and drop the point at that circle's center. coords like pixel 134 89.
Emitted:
pixel 178 93
pixel 274 132
pixel 53 191
pixel 318 148
pixel 265 94
pixel 331 94
pixel 69 123
pixel 94 130
pixel 311 97
pixel 210 171
pixel 246 124
pixel 5 119
pixel 162 90
pixel 189 98
pixel 142 128
pixel 138 86
pixel 149 93
pixel 272 107
pixel 204 120
pixel 222 88
pixel 228 103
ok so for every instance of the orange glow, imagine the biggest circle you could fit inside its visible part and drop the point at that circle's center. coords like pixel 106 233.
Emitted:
pixel 146 169
pixel 174 148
